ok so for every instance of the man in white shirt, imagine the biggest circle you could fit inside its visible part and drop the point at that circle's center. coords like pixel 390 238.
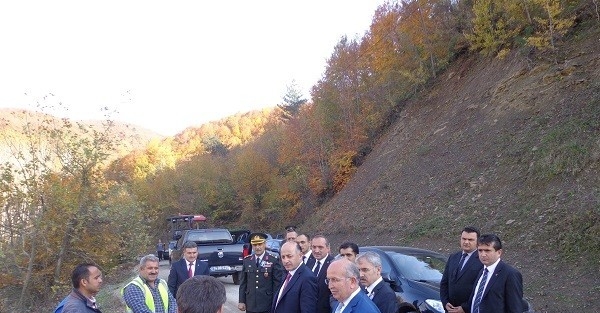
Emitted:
pixel 303 240
pixel 369 265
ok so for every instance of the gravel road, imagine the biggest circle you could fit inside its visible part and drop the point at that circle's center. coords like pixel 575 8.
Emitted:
pixel 230 288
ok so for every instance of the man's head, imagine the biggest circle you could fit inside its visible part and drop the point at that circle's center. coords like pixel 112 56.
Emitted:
pixel 489 248
pixel 320 247
pixel 303 240
pixel 290 236
pixel 342 278
pixel 87 278
pixel 258 242
pixel 369 265
pixel 190 251
pixel 349 250
pixel 468 239
pixel 201 294
pixel 291 256
pixel 149 268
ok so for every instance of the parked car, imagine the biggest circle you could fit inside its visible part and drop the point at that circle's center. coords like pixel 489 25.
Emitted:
pixel 274 245
pixel 415 275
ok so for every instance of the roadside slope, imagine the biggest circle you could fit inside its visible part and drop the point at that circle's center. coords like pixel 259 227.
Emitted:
pixel 511 146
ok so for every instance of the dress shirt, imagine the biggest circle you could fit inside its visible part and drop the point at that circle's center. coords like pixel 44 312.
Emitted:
pixel 370 288
pixel 466 259
pixel 307 256
pixel 284 284
pixel 347 301
pixel 490 269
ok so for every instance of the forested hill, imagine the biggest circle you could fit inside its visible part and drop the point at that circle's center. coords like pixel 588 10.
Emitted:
pixel 511 146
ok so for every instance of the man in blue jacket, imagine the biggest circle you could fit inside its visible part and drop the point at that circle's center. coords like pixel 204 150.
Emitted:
pixel 342 279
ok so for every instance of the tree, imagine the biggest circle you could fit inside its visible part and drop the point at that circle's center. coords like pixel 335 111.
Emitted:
pixel 292 101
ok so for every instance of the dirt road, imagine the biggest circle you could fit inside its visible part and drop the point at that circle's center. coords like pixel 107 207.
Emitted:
pixel 230 288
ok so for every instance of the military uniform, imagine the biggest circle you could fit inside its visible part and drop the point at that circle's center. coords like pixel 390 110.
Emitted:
pixel 259 283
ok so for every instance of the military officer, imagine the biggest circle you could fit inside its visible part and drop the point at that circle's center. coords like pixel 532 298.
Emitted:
pixel 260 278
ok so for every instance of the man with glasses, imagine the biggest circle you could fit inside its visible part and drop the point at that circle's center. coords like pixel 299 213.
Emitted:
pixel 369 265
pixel 342 279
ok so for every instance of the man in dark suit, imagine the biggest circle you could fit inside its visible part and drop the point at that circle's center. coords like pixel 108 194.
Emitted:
pixel 499 288
pixel 342 279
pixel 299 288
pixel 461 272
pixel 320 250
pixel 349 250
pixel 260 278
pixel 303 240
pixel 369 265
pixel 186 267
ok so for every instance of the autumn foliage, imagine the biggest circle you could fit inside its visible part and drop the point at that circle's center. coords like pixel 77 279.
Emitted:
pixel 66 201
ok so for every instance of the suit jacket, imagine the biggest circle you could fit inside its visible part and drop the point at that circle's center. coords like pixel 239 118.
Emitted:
pixel 323 292
pixel 504 292
pixel 179 273
pixel 258 284
pixel 456 287
pixel 298 296
pixel 359 304
pixel 384 298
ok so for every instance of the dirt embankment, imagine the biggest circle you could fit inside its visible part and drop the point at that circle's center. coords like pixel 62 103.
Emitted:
pixel 511 146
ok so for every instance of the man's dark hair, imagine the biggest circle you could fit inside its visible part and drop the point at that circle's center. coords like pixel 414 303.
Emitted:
pixel 81 271
pixel 471 229
pixel 304 234
pixel 490 239
pixel 201 294
pixel 349 244
pixel 190 244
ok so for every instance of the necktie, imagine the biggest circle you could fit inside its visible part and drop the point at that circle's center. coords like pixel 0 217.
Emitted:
pixel 461 263
pixel 304 259
pixel 317 268
pixel 339 308
pixel 285 283
pixel 257 261
pixel 190 273
pixel 479 293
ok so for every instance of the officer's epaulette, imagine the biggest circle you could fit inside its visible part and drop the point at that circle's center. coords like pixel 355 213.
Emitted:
pixel 248 256
pixel 273 254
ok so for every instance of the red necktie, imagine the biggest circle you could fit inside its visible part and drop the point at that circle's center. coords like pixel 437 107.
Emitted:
pixel 190 273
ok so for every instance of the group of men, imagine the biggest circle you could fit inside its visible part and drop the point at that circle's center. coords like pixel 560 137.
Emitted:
pixel 306 278
pixel 475 279
pixel 189 289
pixel 311 280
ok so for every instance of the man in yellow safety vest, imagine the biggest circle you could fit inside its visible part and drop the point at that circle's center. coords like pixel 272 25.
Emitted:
pixel 147 292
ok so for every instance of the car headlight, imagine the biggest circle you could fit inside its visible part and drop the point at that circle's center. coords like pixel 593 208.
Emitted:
pixel 435 305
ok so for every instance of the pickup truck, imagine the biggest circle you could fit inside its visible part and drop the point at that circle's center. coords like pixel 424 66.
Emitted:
pixel 222 249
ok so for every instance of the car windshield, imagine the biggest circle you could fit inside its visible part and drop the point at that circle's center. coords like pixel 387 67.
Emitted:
pixel 422 267
pixel 213 236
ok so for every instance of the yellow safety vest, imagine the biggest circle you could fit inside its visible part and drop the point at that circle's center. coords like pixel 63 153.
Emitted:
pixel 163 290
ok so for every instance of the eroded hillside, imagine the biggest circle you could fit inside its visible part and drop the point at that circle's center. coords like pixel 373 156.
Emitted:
pixel 511 146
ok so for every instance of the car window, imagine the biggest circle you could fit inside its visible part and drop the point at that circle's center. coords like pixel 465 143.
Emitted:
pixel 419 268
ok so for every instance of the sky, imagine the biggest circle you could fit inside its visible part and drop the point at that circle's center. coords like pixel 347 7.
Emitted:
pixel 168 65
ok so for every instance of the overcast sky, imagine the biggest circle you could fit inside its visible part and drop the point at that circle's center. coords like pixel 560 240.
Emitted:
pixel 168 65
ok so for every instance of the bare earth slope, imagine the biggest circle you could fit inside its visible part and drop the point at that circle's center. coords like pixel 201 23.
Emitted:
pixel 511 146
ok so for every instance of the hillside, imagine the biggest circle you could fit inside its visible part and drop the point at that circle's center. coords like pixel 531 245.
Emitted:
pixel 511 146
pixel 12 122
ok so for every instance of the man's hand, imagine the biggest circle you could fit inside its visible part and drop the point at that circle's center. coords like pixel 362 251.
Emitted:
pixel 242 306
pixel 454 309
